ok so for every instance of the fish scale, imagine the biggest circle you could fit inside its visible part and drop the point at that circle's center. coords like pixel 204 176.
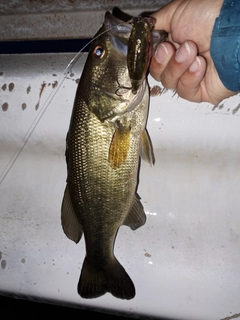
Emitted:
pixel 94 186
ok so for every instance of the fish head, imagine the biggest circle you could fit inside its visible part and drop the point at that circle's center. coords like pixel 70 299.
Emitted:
pixel 105 83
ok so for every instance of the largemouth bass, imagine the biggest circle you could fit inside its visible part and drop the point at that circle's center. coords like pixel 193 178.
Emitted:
pixel 107 134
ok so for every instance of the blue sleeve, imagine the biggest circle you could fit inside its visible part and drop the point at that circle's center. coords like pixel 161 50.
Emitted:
pixel 225 45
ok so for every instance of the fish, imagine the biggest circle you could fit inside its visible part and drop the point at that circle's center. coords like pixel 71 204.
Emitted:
pixel 107 136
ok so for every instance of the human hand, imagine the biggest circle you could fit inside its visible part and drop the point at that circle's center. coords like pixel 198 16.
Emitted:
pixel 184 62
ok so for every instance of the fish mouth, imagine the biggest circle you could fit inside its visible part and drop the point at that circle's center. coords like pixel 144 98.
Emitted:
pixel 118 28
pixel 127 103
pixel 119 31
pixel 122 91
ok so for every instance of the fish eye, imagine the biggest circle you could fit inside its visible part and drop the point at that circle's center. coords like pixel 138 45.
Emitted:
pixel 98 52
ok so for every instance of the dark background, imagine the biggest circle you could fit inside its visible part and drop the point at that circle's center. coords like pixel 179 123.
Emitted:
pixel 44 46
pixel 12 309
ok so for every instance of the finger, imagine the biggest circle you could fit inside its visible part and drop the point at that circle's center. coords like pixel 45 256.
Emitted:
pixel 179 64
pixel 190 85
pixel 160 59
pixel 164 16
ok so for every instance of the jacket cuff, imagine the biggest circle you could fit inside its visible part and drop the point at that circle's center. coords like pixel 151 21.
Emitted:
pixel 225 45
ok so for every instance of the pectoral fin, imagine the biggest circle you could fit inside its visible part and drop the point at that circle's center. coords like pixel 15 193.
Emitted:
pixel 136 217
pixel 119 146
pixel 146 148
pixel 71 226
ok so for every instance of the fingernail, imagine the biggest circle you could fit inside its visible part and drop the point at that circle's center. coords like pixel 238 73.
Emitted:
pixel 195 65
pixel 183 53
pixel 161 53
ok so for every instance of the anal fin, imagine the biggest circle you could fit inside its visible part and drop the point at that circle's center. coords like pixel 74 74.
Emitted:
pixel 136 216
pixel 146 150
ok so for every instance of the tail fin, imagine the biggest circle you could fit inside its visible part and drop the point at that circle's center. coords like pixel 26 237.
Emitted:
pixel 95 282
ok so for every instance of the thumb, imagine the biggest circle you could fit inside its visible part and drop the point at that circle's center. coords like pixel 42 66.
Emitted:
pixel 164 16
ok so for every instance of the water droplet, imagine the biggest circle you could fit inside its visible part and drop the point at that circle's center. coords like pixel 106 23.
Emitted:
pixel 24 106
pixel 3 264
pixel 5 106
pixel 11 86
pixel 54 84
pixel 28 89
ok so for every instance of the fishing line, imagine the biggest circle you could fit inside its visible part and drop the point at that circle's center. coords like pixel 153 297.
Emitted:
pixel 44 108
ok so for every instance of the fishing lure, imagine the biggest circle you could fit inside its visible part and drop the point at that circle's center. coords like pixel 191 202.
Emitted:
pixel 141 48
